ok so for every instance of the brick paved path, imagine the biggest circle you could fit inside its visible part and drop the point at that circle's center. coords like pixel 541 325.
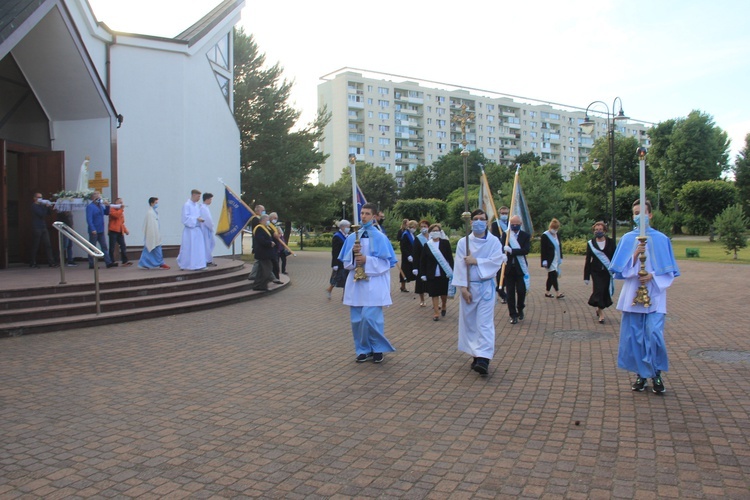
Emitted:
pixel 264 399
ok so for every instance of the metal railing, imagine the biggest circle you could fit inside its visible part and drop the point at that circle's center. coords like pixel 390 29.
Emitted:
pixel 86 246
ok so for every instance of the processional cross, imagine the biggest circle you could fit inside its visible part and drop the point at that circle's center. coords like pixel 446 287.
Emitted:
pixel 462 119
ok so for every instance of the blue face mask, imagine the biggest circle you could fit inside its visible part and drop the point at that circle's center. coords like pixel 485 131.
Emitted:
pixel 599 234
pixel 479 226
pixel 637 220
pixel 156 205
pixel 263 212
pixel 515 227
pixel 504 218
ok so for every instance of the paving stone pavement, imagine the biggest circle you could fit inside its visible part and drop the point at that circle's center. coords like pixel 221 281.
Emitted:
pixel 264 399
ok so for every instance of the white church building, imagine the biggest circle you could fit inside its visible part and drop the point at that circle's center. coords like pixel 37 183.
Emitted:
pixel 153 114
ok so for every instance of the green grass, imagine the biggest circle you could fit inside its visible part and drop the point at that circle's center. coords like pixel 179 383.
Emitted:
pixel 709 251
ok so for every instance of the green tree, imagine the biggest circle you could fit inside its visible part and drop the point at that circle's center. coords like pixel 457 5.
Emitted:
pixel 731 225
pixel 543 189
pixel 687 149
pixel 377 185
pixel 599 180
pixel 417 208
pixel 742 175
pixel 417 183
pixel 526 158
pixel 448 172
pixel 275 161
pixel 702 201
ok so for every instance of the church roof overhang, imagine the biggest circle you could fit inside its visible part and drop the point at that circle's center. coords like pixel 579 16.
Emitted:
pixel 43 39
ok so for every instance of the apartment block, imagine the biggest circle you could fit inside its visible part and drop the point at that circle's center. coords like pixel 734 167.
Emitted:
pixel 398 125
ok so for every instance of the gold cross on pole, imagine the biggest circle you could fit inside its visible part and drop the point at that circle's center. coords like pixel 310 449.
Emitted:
pixel 462 118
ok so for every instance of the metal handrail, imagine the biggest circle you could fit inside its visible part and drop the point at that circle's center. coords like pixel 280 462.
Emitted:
pixel 86 246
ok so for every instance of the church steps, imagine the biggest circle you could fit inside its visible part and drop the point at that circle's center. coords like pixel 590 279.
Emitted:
pixel 151 277
pixel 132 299
pixel 80 294
pixel 133 295
pixel 87 320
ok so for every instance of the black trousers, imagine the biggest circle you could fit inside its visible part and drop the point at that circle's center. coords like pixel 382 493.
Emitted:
pixel 41 236
pixel 515 287
pixel 265 274
pixel 552 281
pixel 119 239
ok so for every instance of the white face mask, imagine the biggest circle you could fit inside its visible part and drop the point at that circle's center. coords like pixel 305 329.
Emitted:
pixel 412 230
pixel 346 230
pixel 273 221
pixel 424 230
pixel 435 235
pixel 553 231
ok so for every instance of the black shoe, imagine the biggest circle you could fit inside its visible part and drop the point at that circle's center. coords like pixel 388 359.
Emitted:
pixel 658 387
pixel 54 265
pixel 71 264
pixel 112 264
pixel 377 357
pixel 260 289
pixel 521 316
pixel 473 363
pixel 639 384
pixel 443 312
pixel 33 266
pixel 277 282
pixel 364 357
pixel 482 366
pixel 513 320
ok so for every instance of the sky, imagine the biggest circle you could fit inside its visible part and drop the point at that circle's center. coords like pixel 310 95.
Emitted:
pixel 663 59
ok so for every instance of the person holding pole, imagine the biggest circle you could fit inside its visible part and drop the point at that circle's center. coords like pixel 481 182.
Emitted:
pixel 474 274
pixel 517 244
pixel 642 348
pixel 367 295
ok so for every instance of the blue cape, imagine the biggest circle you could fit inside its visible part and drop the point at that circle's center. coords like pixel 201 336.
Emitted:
pixel 659 251
pixel 380 246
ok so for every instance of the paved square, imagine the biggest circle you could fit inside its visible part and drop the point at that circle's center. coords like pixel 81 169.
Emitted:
pixel 264 399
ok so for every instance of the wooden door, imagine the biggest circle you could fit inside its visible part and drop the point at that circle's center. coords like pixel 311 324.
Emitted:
pixel 38 172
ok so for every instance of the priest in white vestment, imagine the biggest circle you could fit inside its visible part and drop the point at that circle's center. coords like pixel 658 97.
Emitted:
pixel 207 228
pixel 473 277
pixel 192 255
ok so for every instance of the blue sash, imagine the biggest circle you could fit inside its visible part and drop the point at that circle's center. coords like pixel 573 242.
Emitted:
pixel 422 239
pixel 446 268
pixel 605 262
pixel 522 261
pixel 557 261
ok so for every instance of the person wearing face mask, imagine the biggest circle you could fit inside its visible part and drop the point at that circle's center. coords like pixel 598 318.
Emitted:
pixel 517 245
pixel 95 212
pixel 436 269
pixel 151 255
pixel 552 256
pixel 474 278
pixel 419 246
pixel 338 273
pixel 192 256
pixel 255 219
pixel 599 252
pixel 367 297
pixel 499 228
pixel 379 221
pixel 264 249
pixel 642 348
pixel 406 244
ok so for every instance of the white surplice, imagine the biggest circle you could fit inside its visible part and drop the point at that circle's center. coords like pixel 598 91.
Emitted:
pixel 207 228
pixel 193 248
pixel 476 320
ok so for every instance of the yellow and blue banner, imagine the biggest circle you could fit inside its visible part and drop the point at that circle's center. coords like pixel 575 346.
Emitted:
pixel 234 217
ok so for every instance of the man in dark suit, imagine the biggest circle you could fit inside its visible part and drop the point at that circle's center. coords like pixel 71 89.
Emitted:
pixel 516 244
pixel 264 250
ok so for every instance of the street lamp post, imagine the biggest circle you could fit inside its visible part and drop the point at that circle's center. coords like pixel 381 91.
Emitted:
pixel 588 127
